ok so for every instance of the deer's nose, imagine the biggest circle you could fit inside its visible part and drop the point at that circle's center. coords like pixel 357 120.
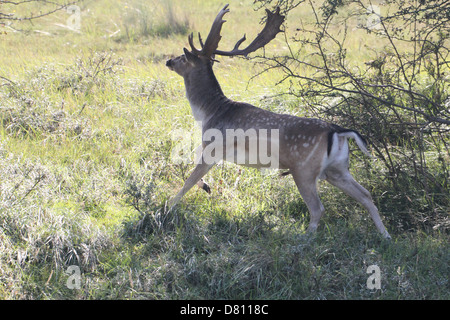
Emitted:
pixel 169 63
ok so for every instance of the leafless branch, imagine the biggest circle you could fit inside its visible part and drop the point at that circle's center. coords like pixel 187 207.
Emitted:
pixel 13 17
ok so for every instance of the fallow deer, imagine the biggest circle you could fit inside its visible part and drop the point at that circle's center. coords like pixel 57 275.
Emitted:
pixel 311 149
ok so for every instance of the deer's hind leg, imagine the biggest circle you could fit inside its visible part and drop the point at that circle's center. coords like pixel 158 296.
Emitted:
pixel 340 177
pixel 307 186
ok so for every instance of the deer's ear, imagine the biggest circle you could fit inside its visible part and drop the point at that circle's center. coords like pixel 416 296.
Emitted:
pixel 191 57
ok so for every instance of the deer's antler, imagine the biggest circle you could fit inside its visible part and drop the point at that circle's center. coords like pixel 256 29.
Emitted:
pixel 271 29
pixel 212 41
pixel 209 48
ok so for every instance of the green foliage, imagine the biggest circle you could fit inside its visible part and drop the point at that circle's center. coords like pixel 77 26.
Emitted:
pixel 86 140
pixel 140 21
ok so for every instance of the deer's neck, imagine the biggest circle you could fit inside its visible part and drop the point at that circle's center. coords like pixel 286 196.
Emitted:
pixel 204 93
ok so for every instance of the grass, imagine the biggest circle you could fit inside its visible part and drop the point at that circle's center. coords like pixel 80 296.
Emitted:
pixel 85 165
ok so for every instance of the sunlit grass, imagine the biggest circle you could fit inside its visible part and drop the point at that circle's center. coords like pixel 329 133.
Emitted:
pixel 86 169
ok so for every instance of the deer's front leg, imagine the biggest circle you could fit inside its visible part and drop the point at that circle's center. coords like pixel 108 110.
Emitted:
pixel 203 185
pixel 195 178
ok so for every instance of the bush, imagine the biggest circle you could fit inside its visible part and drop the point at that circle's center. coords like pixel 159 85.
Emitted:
pixel 395 93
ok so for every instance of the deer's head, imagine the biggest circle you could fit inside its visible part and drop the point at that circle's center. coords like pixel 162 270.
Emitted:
pixel 196 59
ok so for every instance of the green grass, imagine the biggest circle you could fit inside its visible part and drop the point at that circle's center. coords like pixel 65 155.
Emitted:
pixel 86 168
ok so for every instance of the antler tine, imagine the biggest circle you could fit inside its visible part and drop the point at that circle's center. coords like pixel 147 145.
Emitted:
pixel 213 38
pixel 269 32
pixel 191 43
pixel 200 40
